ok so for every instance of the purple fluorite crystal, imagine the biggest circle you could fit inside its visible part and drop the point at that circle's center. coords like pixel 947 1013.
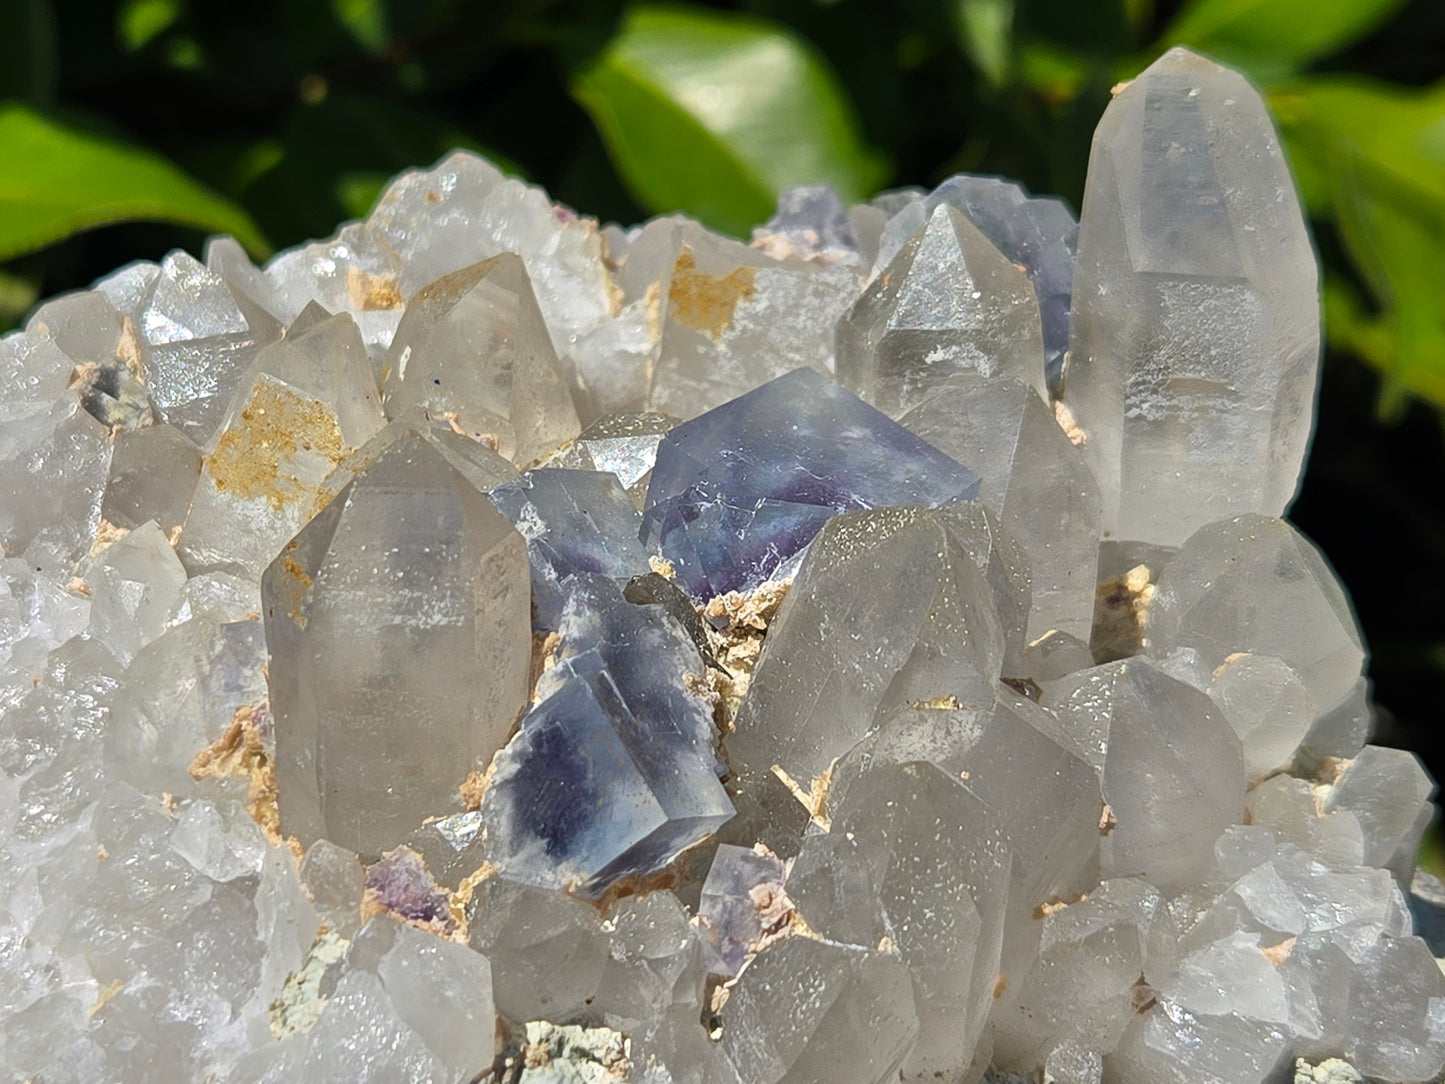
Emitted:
pixel 739 490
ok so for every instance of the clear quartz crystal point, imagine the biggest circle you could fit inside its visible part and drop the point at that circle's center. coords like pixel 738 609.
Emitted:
pixel 198 345
pixel 1171 767
pixel 309 402
pixel 473 348
pixel 888 608
pixel 625 444
pixel 399 630
pixel 948 309
pixel 1036 480
pixel 1195 341
pixel 1036 233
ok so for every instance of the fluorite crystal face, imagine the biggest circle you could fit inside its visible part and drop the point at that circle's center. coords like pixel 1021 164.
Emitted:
pixel 487 646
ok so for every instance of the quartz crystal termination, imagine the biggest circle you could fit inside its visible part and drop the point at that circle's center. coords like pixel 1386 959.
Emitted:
pixel 1195 339
pixel 967 846
pixel 399 632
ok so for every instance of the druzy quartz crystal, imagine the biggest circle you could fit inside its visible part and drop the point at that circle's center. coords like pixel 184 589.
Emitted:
pixel 490 646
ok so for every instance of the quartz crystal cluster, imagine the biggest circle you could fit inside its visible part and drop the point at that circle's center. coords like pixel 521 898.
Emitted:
pixel 487 646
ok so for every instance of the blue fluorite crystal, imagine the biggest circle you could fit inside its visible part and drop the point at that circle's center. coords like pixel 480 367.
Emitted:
pixel 574 521
pixel 739 490
pixel 613 771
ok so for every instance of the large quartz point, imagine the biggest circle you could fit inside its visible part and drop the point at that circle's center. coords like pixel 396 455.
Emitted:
pixel 1195 339
pixel 1171 767
pixel 1256 584
pixel 948 309
pixel 888 608
pixel 1036 480
pixel 809 1010
pixel 740 490
pixel 153 475
pixel 309 403
pixel 473 348
pixel 399 629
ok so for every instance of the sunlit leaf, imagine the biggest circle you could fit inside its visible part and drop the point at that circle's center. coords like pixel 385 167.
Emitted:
pixel 140 21
pixel 1380 151
pixel 985 30
pixel 56 180
pixel 365 20
pixel 714 114
pixel 1269 38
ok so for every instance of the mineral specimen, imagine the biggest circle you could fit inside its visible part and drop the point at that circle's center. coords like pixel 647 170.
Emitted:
pixel 995 731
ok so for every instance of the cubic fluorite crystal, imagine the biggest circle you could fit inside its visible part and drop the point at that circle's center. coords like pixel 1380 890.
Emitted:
pixel 986 724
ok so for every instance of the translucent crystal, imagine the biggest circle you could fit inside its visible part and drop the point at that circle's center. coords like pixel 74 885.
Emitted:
pixel 199 346
pixel 133 585
pixel 1037 482
pixel 731 318
pixel 574 521
pixel 949 309
pixel 1256 584
pixel 153 476
pixel 1037 234
pixel 744 487
pixel 547 950
pixel 334 879
pixel 813 1010
pixel 625 444
pixel 1387 790
pixel 741 885
pixel 932 627
pixel 1171 767
pixel 1195 338
pixel 473 347
pixel 398 624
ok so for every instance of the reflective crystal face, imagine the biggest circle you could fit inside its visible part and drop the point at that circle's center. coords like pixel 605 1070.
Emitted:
pixel 620 697
pixel 398 624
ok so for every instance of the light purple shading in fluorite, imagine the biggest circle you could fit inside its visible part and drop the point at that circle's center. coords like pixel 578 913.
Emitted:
pixel 732 924
pixel 737 491
pixel 401 884
pixel 1039 234
pixel 574 521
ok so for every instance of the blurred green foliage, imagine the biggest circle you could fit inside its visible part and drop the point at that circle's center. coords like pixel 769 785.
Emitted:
pixel 275 120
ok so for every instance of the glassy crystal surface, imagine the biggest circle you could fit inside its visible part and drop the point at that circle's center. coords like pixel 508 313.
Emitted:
pixel 574 521
pixel 1038 483
pixel 948 309
pixel 314 766
pixel 1195 337
pixel 398 625
pixel 1256 584
pixel 473 347
pixel 738 491
pixel 1037 234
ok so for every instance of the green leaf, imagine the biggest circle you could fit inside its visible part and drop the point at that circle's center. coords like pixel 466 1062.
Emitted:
pixel 714 114
pixel 1379 153
pixel 56 180
pixel 985 30
pixel 366 21
pixel 1270 38
pixel 140 21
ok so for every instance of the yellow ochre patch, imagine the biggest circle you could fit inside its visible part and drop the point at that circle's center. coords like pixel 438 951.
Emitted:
pixel 707 302
pixel 276 425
